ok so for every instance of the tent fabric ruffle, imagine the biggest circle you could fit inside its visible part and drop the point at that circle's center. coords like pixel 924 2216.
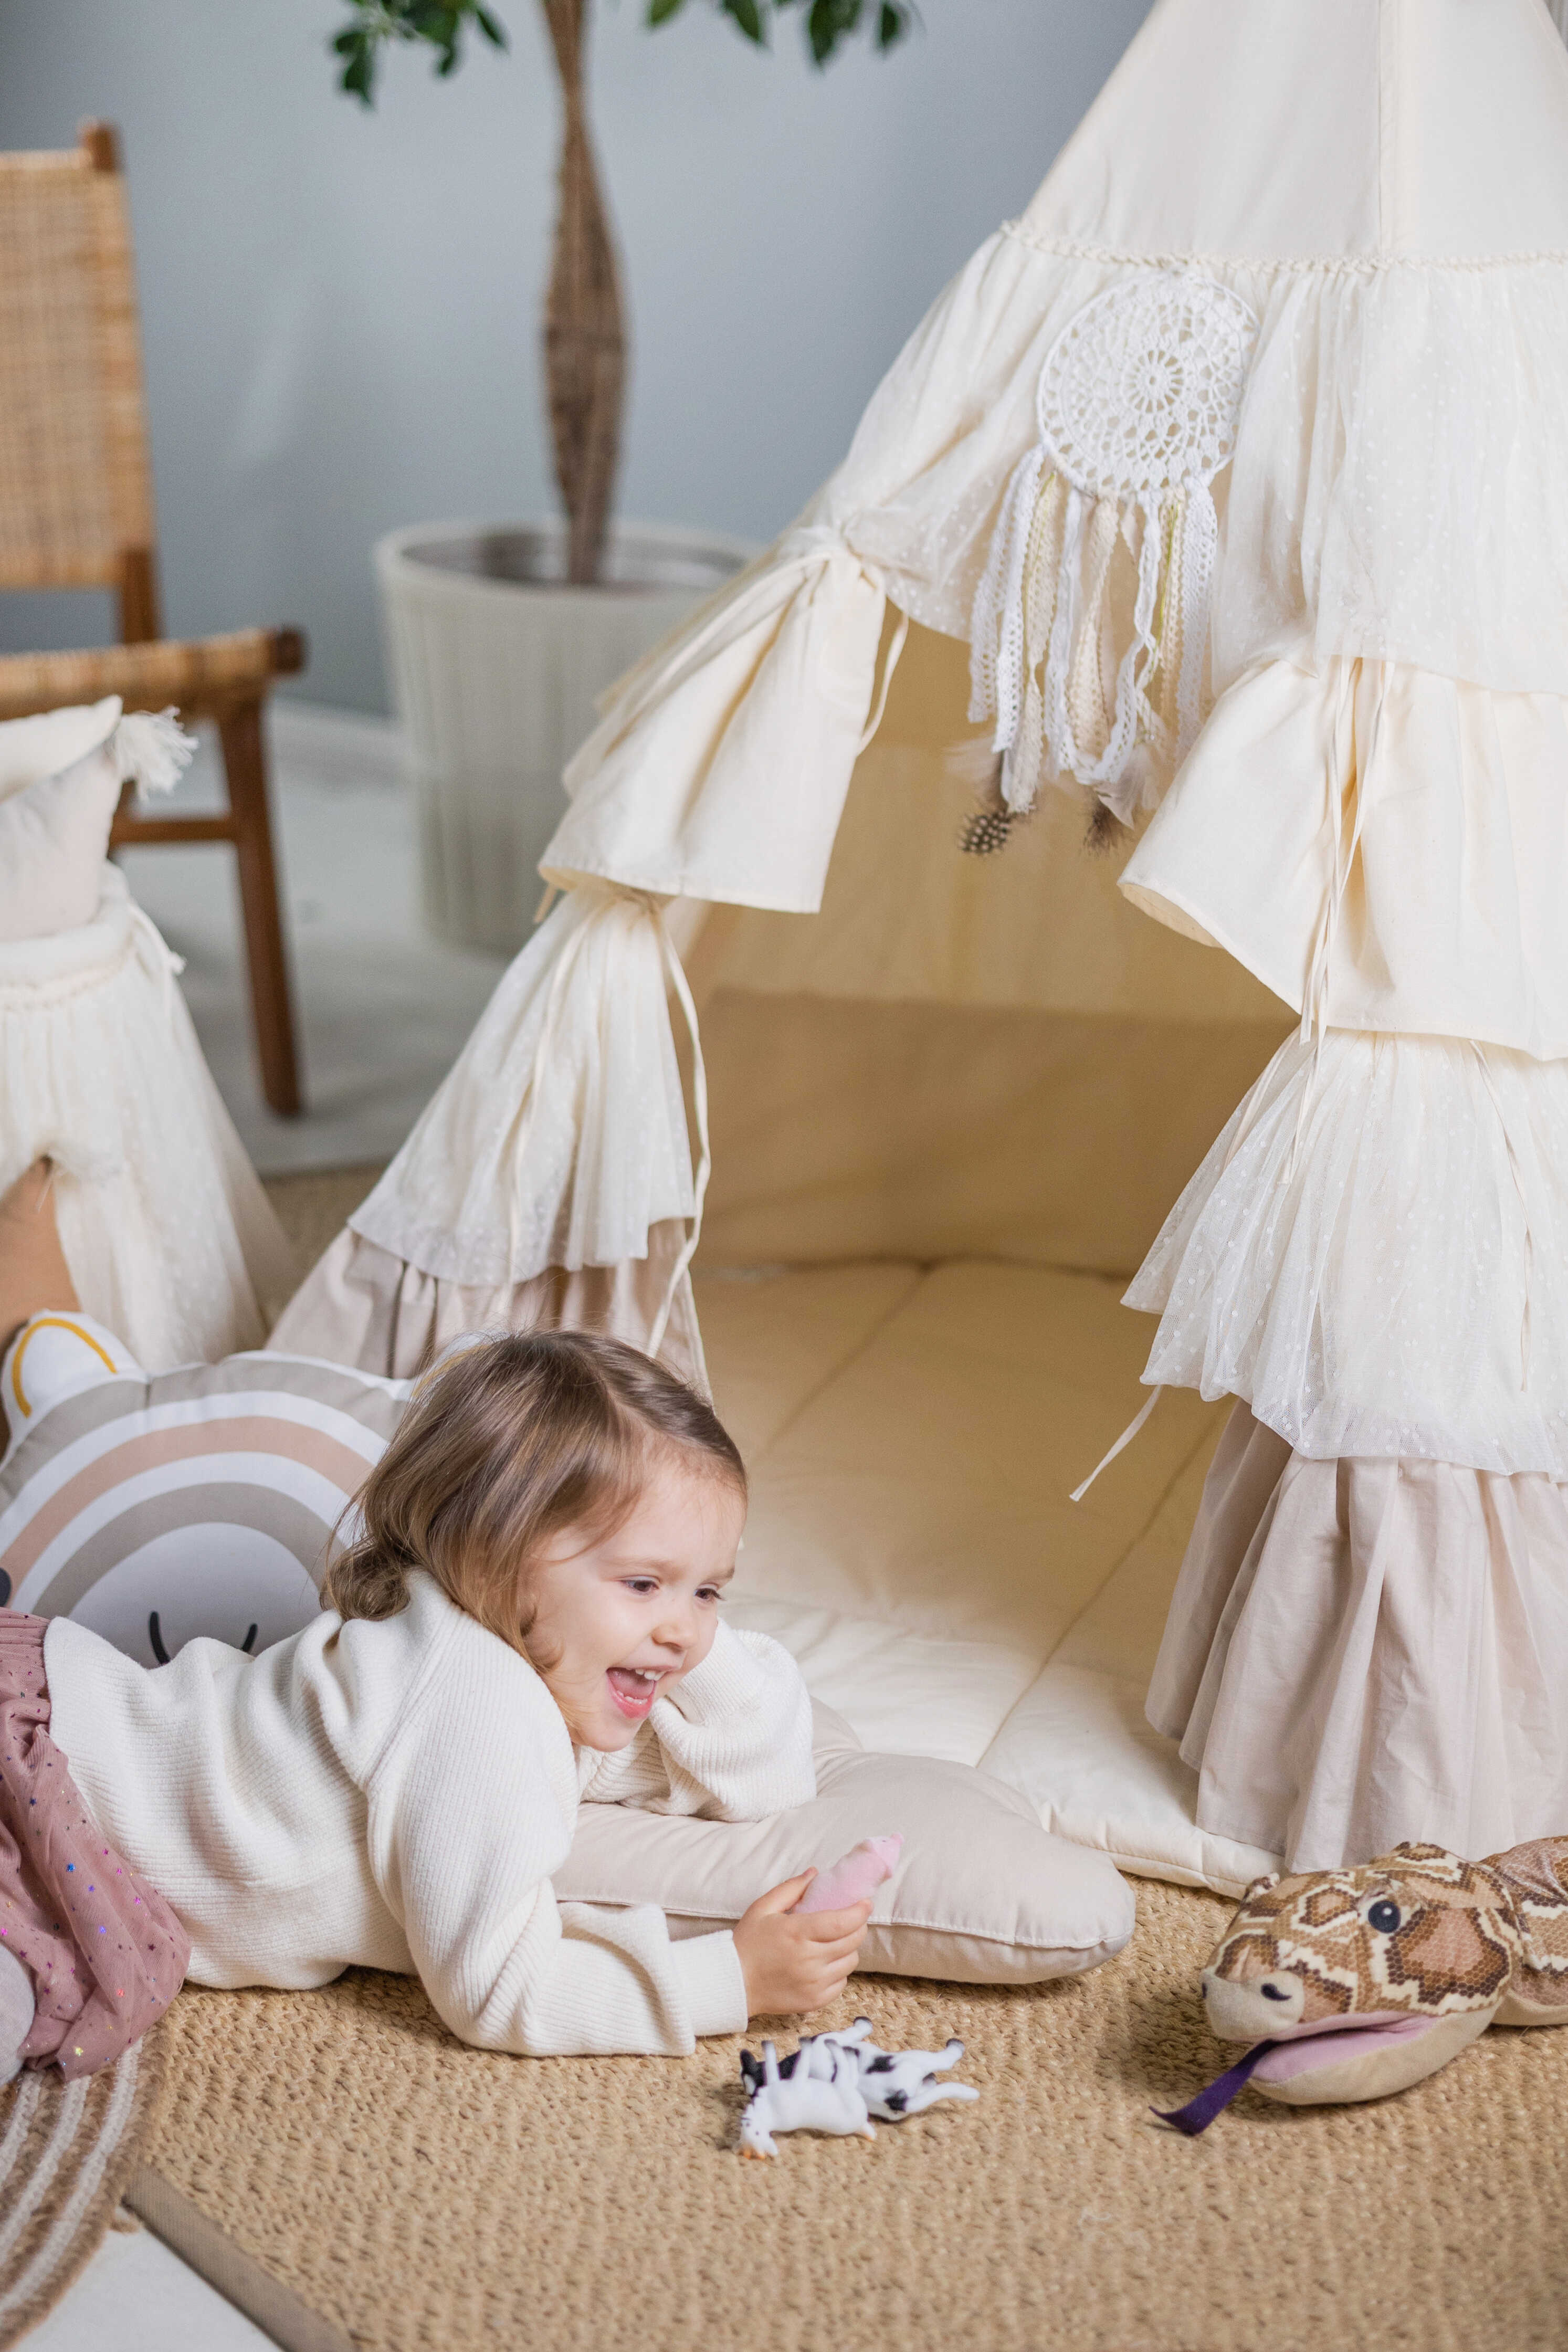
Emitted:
pixel 1361 510
pixel 719 769
pixel 1361 518
pixel 1357 1647
pixel 1374 1256
pixel 559 1138
pixel 364 1305
pixel 549 1181
pixel 1446 920
pixel 169 1237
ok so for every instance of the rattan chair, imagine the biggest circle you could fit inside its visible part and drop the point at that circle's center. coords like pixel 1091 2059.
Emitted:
pixel 75 511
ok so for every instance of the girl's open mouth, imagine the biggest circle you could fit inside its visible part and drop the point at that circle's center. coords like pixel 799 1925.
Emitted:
pixel 634 1690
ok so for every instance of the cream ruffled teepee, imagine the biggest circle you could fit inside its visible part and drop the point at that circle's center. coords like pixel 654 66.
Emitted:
pixel 1238 462
pixel 168 1236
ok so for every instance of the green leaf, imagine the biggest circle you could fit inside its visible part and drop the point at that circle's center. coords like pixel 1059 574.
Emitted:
pixel 494 32
pixel 746 15
pixel 660 11
pixel 892 23
pixel 359 76
pixel 827 24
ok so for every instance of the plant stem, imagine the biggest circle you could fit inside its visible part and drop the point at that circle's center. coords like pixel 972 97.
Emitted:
pixel 585 330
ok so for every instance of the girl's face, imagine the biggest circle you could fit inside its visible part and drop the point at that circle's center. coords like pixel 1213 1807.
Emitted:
pixel 619 1619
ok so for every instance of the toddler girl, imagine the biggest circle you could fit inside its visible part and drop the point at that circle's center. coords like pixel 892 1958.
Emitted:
pixel 528 1618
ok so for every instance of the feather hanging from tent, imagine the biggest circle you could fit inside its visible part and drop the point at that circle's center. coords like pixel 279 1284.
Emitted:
pixel 1137 408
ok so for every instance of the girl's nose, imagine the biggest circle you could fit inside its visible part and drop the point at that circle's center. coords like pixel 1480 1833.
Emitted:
pixel 677 1629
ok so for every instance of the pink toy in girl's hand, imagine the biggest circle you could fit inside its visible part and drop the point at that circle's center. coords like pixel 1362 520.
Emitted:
pixel 855 1878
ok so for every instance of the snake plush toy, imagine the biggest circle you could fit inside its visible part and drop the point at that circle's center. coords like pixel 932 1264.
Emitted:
pixel 1350 1984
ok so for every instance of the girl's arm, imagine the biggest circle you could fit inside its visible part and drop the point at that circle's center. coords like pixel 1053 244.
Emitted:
pixel 471 1809
pixel 735 1734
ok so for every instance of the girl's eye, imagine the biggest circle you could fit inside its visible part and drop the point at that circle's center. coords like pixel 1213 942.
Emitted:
pixel 709 1592
pixel 642 1585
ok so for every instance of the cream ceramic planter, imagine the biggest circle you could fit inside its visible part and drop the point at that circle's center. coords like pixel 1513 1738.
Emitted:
pixel 496 666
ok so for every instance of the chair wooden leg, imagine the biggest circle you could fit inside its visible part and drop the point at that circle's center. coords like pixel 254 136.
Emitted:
pixel 244 764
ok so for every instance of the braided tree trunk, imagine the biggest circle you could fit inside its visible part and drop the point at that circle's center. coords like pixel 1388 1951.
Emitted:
pixel 585 330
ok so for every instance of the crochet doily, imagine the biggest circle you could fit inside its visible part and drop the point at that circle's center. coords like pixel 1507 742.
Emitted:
pixel 1140 394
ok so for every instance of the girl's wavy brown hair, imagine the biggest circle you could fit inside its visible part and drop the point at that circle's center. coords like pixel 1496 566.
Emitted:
pixel 509 1443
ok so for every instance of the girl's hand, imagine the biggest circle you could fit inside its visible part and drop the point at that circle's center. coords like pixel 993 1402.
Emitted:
pixel 792 1964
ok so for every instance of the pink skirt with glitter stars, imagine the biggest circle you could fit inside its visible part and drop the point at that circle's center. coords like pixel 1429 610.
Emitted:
pixel 104 1952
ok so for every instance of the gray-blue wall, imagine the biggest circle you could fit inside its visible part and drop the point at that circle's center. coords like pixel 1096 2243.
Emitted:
pixel 340 309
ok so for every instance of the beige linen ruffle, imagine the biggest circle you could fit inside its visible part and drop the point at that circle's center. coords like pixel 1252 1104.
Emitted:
pixel 360 1305
pixel 1363 1651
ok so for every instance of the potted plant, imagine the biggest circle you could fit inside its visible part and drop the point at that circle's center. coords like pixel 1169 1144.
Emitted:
pixel 500 638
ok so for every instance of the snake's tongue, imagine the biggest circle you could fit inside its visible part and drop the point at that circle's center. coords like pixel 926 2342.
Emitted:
pixel 1199 2113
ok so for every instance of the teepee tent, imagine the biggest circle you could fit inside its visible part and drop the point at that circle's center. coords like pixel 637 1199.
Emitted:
pixel 1204 557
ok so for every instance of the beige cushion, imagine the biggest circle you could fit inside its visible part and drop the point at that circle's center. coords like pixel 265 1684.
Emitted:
pixel 982 1894
pixel 59 785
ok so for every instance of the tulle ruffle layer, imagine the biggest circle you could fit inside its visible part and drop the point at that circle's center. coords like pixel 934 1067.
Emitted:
pixel 1374 1256
pixel 169 1237
pixel 1360 1652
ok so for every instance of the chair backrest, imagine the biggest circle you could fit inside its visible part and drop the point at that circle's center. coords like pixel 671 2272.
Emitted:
pixel 76 487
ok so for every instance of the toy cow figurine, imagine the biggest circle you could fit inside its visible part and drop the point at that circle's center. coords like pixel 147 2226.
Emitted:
pixel 827 2099
pixel 893 2083
pixel 1352 1984
pixel 899 2083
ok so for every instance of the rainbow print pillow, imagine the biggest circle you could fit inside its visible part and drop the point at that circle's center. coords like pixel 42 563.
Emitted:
pixel 200 1501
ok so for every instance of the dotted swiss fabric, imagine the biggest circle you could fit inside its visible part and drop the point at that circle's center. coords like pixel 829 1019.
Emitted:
pixel 1375 1255
pixel 1361 510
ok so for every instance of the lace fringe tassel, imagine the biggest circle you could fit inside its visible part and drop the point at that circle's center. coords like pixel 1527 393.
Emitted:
pixel 1089 629
pixel 1043 660
pixel 152 750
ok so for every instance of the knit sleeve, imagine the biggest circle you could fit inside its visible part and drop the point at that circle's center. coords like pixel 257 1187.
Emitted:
pixel 735 1734
pixel 471 1809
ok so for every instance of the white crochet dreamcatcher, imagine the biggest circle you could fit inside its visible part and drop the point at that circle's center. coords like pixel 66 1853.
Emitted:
pixel 1137 407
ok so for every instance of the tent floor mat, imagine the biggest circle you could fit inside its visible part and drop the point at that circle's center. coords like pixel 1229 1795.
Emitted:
pixel 404 2191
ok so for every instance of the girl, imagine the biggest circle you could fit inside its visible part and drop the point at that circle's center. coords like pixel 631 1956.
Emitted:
pixel 528 1618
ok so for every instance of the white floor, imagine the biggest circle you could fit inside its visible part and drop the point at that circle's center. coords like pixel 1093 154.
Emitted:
pixel 136 2297
pixel 381 1007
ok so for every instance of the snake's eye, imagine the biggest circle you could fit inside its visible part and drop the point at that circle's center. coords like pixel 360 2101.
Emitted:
pixel 1383 1915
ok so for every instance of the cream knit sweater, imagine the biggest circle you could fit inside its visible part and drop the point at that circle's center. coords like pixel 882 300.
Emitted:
pixel 396 1795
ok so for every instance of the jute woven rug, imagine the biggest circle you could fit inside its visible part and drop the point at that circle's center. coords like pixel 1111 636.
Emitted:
pixel 411 2193
pixel 313 1203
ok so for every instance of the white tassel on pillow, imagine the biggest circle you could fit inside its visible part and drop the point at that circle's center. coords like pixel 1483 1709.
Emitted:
pixel 152 750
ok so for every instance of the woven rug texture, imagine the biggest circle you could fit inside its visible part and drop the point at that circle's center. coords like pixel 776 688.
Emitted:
pixel 313 1203
pixel 415 2193
pixel 67 2151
